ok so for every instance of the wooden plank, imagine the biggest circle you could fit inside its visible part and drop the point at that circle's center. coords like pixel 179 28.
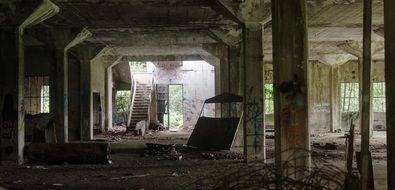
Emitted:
pixel 214 133
pixel 71 153
pixel 370 179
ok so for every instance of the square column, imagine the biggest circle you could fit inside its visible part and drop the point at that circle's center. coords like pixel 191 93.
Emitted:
pixel 292 141
pixel 254 130
pixel 389 33
pixel 10 144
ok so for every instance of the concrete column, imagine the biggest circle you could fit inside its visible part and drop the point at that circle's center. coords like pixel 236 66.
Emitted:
pixel 58 75
pixel 389 33
pixel 253 90
pixel 292 139
pixel 85 99
pixel 234 63
pixel 109 102
pixel 8 96
pixel 335 100
pixel 234 76
pixel 366 117
pixel 85 55
pixel 109 92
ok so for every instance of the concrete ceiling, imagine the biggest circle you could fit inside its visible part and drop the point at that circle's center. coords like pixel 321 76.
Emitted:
pixel 179 27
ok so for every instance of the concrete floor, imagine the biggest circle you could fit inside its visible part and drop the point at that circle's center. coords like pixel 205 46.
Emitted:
pixel 132 168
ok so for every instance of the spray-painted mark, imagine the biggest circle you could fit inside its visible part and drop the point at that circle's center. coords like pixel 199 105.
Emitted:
pixel 8 138
pixel 254 117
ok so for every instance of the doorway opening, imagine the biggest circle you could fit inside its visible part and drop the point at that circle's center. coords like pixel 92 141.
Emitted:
pixel 96 112
pixel 175 115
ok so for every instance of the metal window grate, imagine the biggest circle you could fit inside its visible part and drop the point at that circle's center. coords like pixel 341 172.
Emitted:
pixel 36 95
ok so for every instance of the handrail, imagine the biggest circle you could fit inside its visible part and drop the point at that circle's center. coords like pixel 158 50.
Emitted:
pixel 132 103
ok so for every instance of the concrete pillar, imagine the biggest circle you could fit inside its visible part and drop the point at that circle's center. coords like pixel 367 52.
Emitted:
pixel 234 75
pixel 292 139
pixel 253 90
pixel 85 55
pixel 59 74
pixel 8 96
pixel 335 104
pixel 389 33
pixel 109 91
pixel 215 62
pixel 366 116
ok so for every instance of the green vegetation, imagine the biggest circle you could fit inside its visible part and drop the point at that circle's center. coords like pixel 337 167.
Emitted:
pixel 269 100
pixel 350 97
pixel 138 67
pixel 175 107
pixel 379 97
pixel 122 100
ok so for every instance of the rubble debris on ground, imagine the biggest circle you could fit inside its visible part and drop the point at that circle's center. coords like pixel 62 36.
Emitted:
pixel 327 146
pixel 165 152
pixel 222 155
pixel 156 125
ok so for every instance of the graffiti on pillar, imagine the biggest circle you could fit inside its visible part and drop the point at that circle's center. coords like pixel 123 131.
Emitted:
pixel 8 129
pixel 254 118
pixel 294 112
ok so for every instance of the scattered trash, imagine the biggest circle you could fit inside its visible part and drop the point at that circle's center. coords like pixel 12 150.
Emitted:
pixel 156 125
pixel 17 181
pixel 166 152
pixel 222 155
pixel 130 176
pixel 174 174
pixel 327 146
pixel 36 167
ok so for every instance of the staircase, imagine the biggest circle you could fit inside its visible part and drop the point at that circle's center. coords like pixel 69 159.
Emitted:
pixel 141 104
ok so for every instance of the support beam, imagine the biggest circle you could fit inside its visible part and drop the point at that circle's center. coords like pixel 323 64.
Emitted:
pixel 253 90
pixel 44 11
pixel 109 91
pixel 8 96
pixel 366 94
pixel 83 35
pixel 335 121
pixel 85 55
pixel 58 76
pixel 292 140
pixel 389 33
pixel 220 51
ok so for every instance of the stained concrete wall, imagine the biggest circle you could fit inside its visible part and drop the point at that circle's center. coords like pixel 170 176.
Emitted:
pixel 319 88
pixel 198 81
pixel 319 91
pixel 349 72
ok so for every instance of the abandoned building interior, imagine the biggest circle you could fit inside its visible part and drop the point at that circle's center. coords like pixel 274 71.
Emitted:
pixel 197 94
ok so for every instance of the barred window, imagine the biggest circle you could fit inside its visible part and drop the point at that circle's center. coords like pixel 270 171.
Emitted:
pixel 36 95
pixel 349 97
pixel 379 97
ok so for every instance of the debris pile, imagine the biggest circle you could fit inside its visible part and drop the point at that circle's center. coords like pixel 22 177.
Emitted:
pixel 165 152
pixel 222 155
